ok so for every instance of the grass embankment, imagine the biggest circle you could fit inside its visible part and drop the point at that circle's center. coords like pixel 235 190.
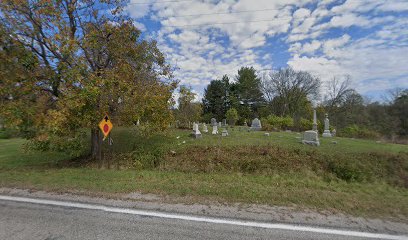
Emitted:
pixel 353 176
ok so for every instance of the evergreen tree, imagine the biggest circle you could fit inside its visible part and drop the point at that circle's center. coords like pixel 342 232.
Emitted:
pixel 216 100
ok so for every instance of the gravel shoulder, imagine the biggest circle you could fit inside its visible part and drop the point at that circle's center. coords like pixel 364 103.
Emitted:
pixel 251 212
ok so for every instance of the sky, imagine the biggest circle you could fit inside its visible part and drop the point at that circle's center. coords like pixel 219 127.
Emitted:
pixel 205 39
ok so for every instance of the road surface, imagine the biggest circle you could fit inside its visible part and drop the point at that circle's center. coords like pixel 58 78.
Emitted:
pixel 50 220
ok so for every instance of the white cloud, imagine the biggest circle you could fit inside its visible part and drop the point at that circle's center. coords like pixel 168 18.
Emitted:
pixel 203 50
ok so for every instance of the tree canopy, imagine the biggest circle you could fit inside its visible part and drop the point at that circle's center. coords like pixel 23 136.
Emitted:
pixel 91 61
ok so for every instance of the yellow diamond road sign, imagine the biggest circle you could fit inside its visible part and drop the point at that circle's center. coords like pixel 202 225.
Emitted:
pixel 106 126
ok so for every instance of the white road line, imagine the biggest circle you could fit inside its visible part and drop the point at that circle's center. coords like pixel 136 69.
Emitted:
pixel 204 219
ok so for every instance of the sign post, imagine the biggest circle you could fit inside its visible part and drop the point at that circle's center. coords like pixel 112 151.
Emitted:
pixel 106 126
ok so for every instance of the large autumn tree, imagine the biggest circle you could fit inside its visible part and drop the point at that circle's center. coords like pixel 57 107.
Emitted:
pixel 91 61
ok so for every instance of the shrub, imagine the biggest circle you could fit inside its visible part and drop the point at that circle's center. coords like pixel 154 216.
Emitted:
pixel 4 135
pixel 280 123
pixel 305 124
pixel 346 171
pixel 355 131
pixel 232 116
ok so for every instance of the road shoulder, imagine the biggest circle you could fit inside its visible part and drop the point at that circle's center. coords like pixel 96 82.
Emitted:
pixel 250 212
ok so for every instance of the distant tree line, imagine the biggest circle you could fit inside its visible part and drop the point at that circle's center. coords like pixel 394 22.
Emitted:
pixel 284 99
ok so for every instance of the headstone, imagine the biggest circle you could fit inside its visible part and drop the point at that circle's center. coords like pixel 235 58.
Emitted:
pixel 314 120
pixel 256 125
pixel 267 134
pixel 224 133
pixel 213 122
pixel 326 132
pixel 311 138
pixel 334 132
pixel 245 124
pixel 138 122
pixel 215 130
pixel 205 129
pixel 196 132
pixel 219 124
pixel 224 122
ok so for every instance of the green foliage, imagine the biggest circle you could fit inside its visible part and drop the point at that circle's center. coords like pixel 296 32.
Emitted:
pixel 280 123
pixel 75 146
pixel 305 124
pixel 232 116
pixel 345 170
pixel 69 78
pixel 216 98
pixel 247 92
pixel 4 134
pixel 354 131
pixel 187 111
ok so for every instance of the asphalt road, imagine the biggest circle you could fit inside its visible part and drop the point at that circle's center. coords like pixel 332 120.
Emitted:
pixel 21 220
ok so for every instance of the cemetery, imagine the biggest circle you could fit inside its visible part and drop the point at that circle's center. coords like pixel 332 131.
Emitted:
pixel 233 164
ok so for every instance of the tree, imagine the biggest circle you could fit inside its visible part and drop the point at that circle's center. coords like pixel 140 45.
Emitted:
pixel 92 61
pixel 232 116
pixel 247 92
pixel 216 100
pixel 290 90
pixel 337 91
pixel 400 111
pixel 188 110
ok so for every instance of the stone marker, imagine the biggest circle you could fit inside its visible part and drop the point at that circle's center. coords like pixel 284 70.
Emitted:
pixel 219 124
pixel 256 125
pixel 314 120
pixel 267 134
pixel 215 130
pixel 326 132
pixel 196 132
pixel 334 132
pixel 205 129
pixel 224 122
pixel 311 137
pixel 224 133
pixel 213 122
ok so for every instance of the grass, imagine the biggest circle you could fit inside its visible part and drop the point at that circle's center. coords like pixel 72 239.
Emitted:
pixel 244 167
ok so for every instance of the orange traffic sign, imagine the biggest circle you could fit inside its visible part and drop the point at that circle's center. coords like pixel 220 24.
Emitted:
pixel 106 126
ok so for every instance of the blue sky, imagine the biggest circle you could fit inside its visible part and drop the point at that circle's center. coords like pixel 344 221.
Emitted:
pixel 205 39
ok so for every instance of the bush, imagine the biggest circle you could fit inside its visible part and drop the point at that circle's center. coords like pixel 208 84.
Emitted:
pixel 346 171
pixel 4 135
pixel 305 124
pixel 144 158
pixel 232 116
pixel 280 123
pixel 354 131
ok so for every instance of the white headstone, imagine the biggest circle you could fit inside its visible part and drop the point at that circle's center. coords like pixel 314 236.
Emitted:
pixel 224 133
pixel 326 132
pixel 311 138
pixel 213 122
pixel 215 130
pixel 196 132
pixel 256 125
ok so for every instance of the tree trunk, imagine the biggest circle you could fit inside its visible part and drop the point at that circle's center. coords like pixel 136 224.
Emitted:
pixel 96 144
